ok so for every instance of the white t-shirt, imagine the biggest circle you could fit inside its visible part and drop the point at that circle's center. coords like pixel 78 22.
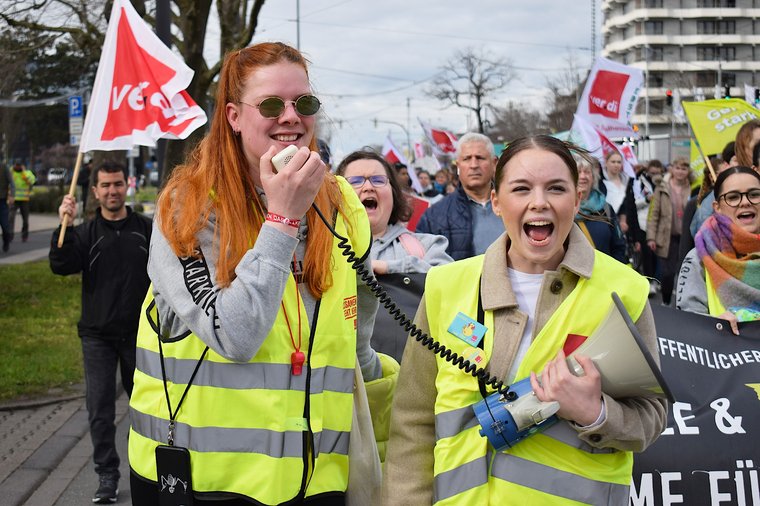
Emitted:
pixel 615 194
pixel 525 287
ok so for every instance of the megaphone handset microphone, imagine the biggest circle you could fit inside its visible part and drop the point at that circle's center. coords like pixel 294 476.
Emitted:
pixel 627 370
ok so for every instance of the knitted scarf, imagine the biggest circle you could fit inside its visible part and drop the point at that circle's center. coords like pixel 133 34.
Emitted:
pixel 731 257
pixel 594 204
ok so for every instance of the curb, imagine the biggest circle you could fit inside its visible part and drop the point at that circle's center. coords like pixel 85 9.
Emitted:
pixel 45 400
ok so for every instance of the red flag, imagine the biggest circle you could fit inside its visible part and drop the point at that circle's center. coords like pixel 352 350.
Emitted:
pixel 443 141
pixel 419 206
pixel 392 153
pixel 589 137
pixel 139 92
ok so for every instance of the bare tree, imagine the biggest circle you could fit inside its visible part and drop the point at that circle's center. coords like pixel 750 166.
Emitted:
pixel 565 89
pixel 469 80
pixel 516 120
pixel 85 21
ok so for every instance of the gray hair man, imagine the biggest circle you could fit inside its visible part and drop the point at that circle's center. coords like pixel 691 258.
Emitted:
pixel 465 217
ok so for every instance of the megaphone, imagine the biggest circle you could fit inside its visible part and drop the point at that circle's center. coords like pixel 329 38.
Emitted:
pixel 626 367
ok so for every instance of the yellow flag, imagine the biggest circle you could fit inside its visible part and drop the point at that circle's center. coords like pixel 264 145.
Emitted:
pixel 697 164
pixel 716 122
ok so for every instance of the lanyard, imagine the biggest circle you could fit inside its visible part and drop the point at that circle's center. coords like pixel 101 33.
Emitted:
pixel 172 416
pixel 297 358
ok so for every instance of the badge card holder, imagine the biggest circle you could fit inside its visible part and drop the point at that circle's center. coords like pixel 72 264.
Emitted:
pixel 173 473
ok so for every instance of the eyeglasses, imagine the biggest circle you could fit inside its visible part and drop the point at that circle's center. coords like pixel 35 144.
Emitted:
pixel 734 198
pixel 273 107
pixel 375 181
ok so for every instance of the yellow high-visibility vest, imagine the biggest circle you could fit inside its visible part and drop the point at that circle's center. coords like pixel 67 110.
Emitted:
pixel 714 305
pixel 553 467
pixel 254 428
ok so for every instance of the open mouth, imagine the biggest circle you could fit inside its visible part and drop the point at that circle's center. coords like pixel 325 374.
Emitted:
pixel 539 231
pixel 369 203
pixel 746 216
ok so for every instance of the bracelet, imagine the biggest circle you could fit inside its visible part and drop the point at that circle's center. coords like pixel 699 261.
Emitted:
pixel 278 218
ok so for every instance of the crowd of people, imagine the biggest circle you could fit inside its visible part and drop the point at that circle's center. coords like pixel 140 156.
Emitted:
pixel 248 342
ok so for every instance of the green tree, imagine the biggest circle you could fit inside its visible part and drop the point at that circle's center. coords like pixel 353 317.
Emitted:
pixel 38 70
pixel 82 23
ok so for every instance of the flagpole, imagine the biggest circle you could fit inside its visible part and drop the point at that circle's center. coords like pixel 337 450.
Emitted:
pixel 72 192
pixel 706 159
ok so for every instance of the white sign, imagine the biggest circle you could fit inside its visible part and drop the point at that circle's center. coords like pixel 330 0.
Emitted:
pixel 75 126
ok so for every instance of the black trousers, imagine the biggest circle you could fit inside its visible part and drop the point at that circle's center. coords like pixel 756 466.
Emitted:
pixel 23 207
pixel 669 268
pixel 5 223
pixel 101 358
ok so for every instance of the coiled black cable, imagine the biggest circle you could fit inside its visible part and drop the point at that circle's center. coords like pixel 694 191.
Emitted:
pixel 422 338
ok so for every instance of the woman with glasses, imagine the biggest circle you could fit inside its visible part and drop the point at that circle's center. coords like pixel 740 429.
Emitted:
pixel 255 323
pixel 721 275
pixel 395 249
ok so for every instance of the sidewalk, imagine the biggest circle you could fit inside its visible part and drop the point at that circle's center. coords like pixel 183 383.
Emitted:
pixel 46 453
pixel 45 448
pixel 41 227
pixel 38 245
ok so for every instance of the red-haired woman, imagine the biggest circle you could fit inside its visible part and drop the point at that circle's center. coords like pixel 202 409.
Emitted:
pixel 250 336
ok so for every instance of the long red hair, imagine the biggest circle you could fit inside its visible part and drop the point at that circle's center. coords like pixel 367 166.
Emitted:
pixel 215 178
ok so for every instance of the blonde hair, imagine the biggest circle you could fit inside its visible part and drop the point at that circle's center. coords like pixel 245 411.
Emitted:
pixel 215 178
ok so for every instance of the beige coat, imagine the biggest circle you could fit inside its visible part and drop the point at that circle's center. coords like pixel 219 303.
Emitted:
pixel 631 424
pixel 660 218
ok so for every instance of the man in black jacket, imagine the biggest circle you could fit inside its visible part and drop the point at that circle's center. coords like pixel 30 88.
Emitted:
pixel 465 217
pixel 111 252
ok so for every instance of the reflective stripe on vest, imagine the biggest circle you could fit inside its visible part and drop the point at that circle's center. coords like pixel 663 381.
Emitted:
pixel 250 426
pixel 244 376
pixel 233 439
pixel 563 484
pixel 558 458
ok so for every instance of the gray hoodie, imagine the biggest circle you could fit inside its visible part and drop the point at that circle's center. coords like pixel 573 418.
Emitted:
pixel 691 290
pixel 234 321
pixel 389 249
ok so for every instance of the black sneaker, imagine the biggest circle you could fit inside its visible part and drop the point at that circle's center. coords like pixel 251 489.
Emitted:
pixel 108 491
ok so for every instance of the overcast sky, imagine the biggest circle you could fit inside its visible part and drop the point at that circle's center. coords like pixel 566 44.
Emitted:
pixel 369 57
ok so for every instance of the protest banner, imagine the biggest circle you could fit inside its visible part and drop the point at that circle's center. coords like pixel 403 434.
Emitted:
pixel 716 122
pixel 710 452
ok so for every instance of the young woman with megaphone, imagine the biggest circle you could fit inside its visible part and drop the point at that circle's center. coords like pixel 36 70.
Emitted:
pixel 539 290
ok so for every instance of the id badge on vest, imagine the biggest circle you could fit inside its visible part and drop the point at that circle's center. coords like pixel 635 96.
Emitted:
pixel 174 478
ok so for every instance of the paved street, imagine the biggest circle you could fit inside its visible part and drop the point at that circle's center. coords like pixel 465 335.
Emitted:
pixel 41 227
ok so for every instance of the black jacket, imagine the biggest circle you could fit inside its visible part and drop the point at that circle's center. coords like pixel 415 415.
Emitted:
pixel 113 259
pixel 451 218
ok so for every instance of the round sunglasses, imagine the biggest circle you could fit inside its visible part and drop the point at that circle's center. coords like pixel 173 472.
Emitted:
pixel 273 107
